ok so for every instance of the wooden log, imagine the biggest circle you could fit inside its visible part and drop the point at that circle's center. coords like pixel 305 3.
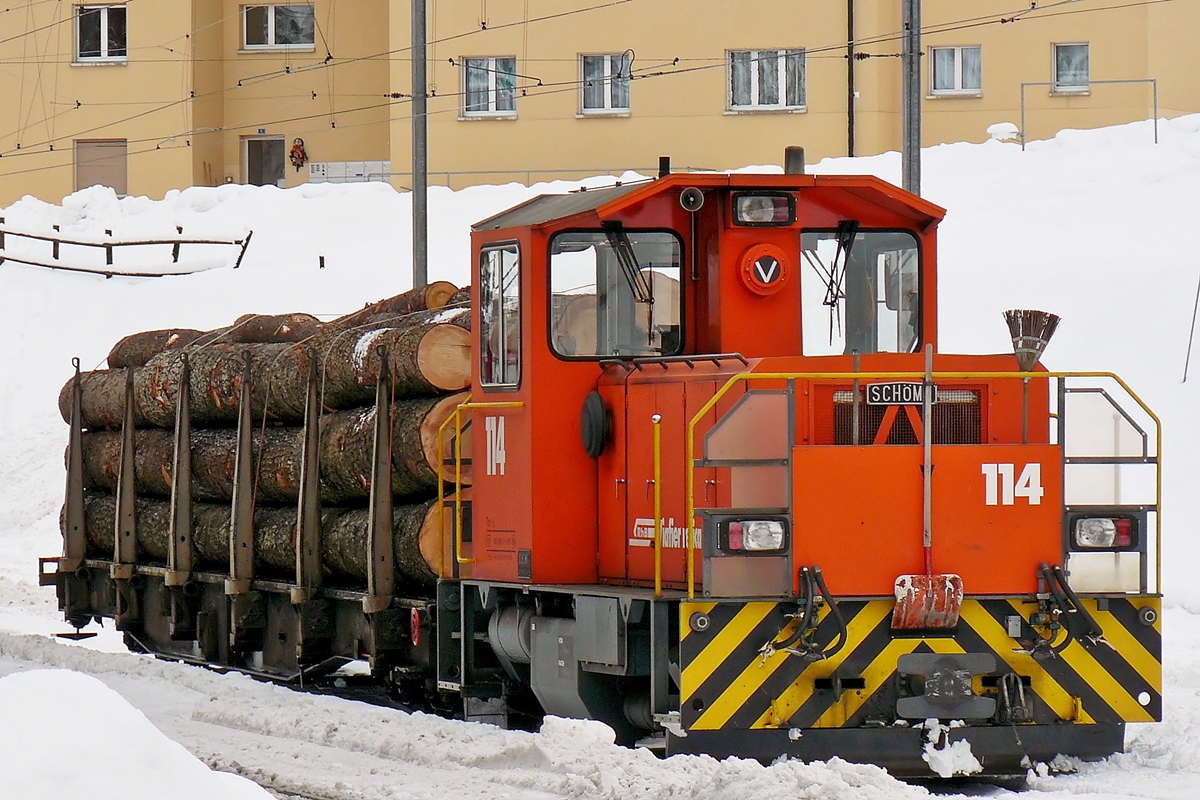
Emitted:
pixel 103 399
pixel 138 348
pixel 343 538
pixel 216 382
pixel 428 297
pixel 274 533
pixel 346 456
pixel 267 328
pixel 427 358
pixel 344 544
pixel 433 357
pixel 436 538
pixel 461 298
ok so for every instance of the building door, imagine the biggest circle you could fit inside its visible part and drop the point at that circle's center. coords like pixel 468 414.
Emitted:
pixel 103 162
pixel 263 157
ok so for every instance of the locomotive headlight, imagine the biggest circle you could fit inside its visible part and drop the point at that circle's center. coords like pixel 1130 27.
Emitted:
pixel 1100 533
pixel 754 535
pixel 764 209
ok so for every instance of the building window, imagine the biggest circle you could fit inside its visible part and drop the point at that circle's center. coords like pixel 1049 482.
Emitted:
pixel 604 83
pixel 766 79
pixel 500 316
pixel 491 85
pixel 1071 67
pixel 957 70
pixel 100 33
pixel 276 26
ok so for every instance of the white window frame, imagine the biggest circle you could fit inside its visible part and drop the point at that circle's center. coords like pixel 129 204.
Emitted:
pixel 491 112
pixel 306 47
pixel 958 88
pixel 756 105
pixel 1070 88
pixel 104 57
pixel 612 63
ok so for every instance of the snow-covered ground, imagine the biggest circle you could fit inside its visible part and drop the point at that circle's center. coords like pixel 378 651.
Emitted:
pixel 1091 225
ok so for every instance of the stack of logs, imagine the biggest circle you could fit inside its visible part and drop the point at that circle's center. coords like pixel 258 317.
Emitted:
pixel 424 335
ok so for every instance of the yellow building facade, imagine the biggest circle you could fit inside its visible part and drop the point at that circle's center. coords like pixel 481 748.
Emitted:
pixel 151 96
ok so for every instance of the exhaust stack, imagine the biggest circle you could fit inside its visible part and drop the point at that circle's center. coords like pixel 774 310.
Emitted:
pixel 793 160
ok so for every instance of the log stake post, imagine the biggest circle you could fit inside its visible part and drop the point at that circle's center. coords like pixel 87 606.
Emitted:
pixel 74 535
pixel 75 595
pixel 381 575
pixel 125 540
pixel 108 248
pixel 179 543
pixel 54 246
pixel 312 614
pixel 241 524
pixel 308 553
pixel 175 248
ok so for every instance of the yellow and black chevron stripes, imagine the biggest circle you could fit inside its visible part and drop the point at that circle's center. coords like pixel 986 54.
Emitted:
pixel 727 683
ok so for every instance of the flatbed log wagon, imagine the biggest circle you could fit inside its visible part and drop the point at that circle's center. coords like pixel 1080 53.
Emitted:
pixel 709 479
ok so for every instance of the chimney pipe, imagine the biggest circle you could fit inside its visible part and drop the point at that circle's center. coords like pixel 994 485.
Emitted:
pixel 793 160
pixel 664 166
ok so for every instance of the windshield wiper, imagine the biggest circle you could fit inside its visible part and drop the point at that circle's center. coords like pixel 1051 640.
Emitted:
pixel 627 258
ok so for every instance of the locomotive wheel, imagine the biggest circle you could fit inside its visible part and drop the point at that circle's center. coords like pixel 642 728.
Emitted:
pixel 593 424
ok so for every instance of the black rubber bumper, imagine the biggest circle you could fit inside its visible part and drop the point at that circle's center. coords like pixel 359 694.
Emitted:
pixel 999 749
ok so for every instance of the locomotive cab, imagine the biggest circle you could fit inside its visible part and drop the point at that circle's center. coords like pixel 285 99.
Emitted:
pixel 715 412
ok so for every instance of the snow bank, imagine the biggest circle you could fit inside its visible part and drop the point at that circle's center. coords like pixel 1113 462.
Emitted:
pixel 328 745
pixel 112 751
pixel 1092 225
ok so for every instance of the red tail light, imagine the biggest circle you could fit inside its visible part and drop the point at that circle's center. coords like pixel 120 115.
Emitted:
pixel 735 535
pixel 1124 536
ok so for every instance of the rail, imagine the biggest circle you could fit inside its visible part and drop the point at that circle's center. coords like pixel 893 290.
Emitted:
pixel 456 418
pixel 108 271
pixel 747 377
pixel 1052 84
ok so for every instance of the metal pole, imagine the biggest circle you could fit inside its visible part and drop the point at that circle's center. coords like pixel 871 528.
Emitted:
pixel 420 152
pixel 850 78
pixel 927 467
pixel 910 106
pixel 1154 82
pixel 1023 85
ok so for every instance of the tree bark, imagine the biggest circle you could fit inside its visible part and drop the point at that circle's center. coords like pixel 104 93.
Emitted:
pixel 343 538
pixel 428 297
pixel 103 399
pixel 266 328
pixel 433 357
pixel 138 348
pixel 346 457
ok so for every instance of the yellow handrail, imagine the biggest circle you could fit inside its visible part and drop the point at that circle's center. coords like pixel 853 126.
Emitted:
pixel 689 443
pixel 457 419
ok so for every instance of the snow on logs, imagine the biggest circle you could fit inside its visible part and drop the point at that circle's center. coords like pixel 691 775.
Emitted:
pixel 426 333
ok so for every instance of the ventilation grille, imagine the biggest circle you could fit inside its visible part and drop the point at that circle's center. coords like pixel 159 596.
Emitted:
pixel 957 419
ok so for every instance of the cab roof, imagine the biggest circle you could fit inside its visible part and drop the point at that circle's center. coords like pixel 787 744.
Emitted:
pixel 602 203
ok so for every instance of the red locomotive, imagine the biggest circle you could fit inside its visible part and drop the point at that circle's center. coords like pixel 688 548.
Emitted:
pixel 727 495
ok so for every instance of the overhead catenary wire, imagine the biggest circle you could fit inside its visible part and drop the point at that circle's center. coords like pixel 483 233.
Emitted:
pixel 1033 13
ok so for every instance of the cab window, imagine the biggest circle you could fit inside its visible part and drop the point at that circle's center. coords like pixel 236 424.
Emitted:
pixel 615 293
pixel 860 291
pixel 500 316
